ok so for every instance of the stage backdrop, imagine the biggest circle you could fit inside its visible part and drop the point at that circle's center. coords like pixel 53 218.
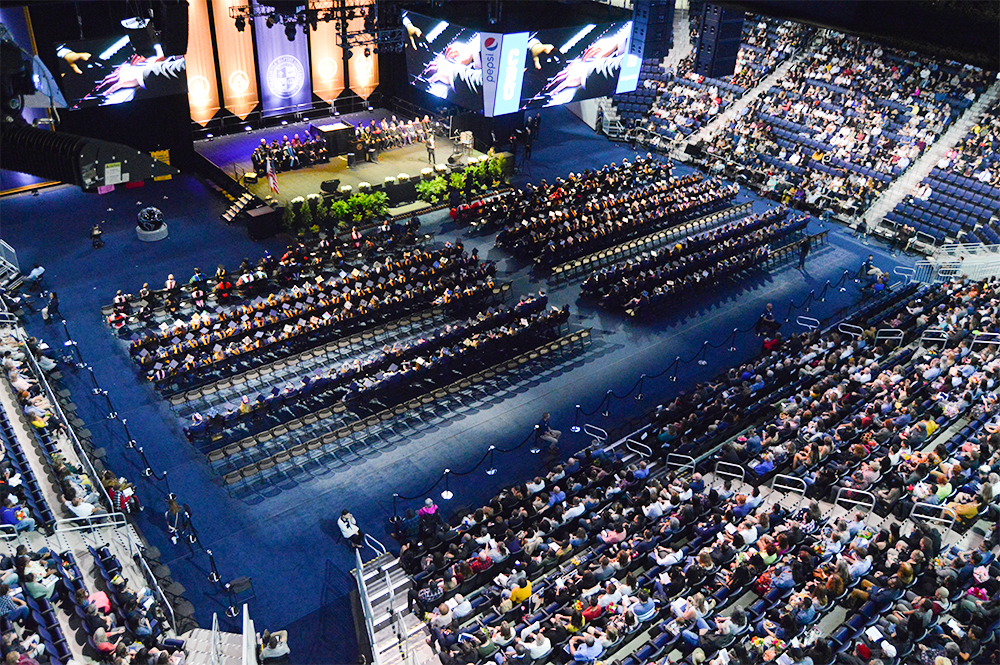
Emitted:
pixel 284 69
pixel 327 59
pixel 236 61
pixel 203 89
pixel 363 72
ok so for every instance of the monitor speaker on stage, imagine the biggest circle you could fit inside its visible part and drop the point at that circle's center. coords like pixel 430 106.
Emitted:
pixel 330 186
pixel 718 41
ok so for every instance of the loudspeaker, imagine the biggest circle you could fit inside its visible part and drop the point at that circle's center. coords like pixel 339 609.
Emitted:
pixel 263 222
pixel 652 28
pixel 330 186
pixel 718 41
pixel 351 160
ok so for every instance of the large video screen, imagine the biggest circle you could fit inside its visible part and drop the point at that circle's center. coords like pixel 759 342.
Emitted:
pixel 101 72
pixel 504 73
pixel 569 64
pixel 443 59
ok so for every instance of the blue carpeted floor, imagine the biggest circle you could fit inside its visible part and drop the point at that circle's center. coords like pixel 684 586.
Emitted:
pixel 286 538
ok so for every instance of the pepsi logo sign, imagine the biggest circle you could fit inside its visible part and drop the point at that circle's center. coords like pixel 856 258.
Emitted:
pixel 490 44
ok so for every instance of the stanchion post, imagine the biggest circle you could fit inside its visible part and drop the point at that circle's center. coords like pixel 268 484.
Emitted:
pixel 638 395
pixel 677 364
pixel 576 421
pixel 492 468
pixel 607 404
pixel 732 348
pixel 535 449
pixel 395 516
pixel 213 576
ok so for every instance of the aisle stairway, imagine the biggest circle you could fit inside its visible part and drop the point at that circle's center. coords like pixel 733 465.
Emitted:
pixel 198 647
pixel 920 169
pixel 735 110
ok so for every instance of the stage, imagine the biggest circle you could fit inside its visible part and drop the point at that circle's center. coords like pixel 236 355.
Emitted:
pixel 232 155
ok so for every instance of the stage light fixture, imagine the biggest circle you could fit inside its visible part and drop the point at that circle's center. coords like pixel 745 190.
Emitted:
pixel 290 32
pixel 241 23
pixel 368 52
pixel 269 21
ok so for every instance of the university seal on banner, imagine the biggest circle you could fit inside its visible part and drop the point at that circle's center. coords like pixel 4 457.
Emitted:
pixel 285 76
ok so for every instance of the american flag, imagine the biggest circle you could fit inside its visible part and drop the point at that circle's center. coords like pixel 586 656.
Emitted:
pixel 272 177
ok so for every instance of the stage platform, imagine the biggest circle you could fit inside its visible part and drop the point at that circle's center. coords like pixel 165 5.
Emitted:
pixel 232 155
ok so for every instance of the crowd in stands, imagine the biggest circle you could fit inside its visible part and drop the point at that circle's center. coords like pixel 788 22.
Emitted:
pixel 844 121
pixel 596 209
pixel 121 622
pixel 960 198
pixel 685 101
pixel 696 262
pixel 600 556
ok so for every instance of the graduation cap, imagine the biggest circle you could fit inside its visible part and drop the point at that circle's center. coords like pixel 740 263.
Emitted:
pixel 310 300
pixel 381 280
pixel 216 348
pixel 288 328
pixel 285 305
pixel 157 366
pixel 348 305
pixel 258 334
pixel 173 364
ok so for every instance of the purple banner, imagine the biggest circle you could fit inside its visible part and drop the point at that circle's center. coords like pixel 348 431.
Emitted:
pixel 284 69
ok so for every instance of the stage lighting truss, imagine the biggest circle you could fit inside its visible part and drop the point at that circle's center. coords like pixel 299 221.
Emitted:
pixel 374 34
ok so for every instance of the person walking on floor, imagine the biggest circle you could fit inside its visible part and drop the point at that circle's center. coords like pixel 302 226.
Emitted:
pixel 430 149
pixel 804 251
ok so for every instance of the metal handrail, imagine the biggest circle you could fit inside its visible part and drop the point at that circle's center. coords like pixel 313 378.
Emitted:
pixel 807 322
pixel 599 434
pixel 725 469
pixel 986 338
pixel 933 335
pixel 376 546
pixel 680 462
pixel 905 272
pixel 249 639
pixel 645 451
pixel 890 334
pixel 9 254
pixel 151 579
pixel 61 415
pixel 787 483
pixel 851 329
pixel 869 504
pixel 945 514
pixel 216 640
pixel 366 606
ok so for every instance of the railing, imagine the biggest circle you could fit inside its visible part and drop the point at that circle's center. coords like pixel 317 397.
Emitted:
pixel 151 580
pixel 366 606
pixel 786 483
pixel 639 448
pixel 857 498
pixel 889 335
pixel 249 638
pixel 807 322
pixel 985 339
pixel 728 470
pixel 216 640
pixel 906 272
pixel 934 513
pixel 9 255
pixel 850 329
pixel 61 416
pixel 957 249
pixel 600 435
pixel 375 545
pixel 680 462
pixel 933 336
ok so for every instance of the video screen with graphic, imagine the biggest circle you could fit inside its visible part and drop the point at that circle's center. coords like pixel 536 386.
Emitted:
pixel 444 60
pixel 569 64
pixel 116 70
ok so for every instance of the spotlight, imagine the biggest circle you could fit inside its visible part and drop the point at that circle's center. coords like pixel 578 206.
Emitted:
pixel 269 21
pixel 290 32
pixel 247 128
pixel 368 52
pixel 241 23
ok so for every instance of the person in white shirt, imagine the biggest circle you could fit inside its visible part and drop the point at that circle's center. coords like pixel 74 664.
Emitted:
pixel 79 507
pixel 538 645
pixel 350 530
